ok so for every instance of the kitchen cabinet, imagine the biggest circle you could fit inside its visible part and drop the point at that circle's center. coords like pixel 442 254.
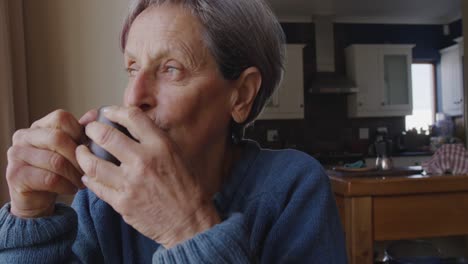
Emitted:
pixel 287 102
pixel 382 74
pixel 452 79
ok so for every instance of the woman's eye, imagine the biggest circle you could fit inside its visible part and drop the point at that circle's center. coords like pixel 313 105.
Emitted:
pixel 132 71
pixel 173 71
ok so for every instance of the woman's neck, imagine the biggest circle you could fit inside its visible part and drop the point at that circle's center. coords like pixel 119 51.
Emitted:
pixel 215 167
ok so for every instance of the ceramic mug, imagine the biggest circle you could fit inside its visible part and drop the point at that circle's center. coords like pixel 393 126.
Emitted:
pixel 98 150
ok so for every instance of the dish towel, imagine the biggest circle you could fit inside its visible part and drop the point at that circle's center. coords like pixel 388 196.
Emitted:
pixel 449 158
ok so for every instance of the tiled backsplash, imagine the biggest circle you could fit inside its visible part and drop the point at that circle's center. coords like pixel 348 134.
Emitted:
pixel 326 127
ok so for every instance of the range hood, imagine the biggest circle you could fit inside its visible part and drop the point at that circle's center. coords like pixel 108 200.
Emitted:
pixel 326 80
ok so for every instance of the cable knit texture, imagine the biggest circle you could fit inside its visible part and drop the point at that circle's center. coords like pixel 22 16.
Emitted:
pixel 42 240
pixel 277 207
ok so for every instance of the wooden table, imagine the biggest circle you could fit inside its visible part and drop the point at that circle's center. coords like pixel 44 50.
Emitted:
pixel 375 208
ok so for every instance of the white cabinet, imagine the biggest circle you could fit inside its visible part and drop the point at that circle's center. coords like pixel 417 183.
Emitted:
pixel 382 74
pixel 288 100
pixel 452 80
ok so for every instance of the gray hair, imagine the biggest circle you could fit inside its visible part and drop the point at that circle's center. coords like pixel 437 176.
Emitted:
pixel 239 34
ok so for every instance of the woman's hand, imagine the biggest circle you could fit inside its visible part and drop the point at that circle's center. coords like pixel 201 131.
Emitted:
pixel 42 163
pixel 153 188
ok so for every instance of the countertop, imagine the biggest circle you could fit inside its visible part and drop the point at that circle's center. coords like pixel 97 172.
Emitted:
pixel 408 154
pixel 347 157
pixel 355 185
pixel 414 153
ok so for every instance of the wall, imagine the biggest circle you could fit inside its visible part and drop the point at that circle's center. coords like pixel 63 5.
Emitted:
pixel 73 57
pixel 6 96
pixel 13 88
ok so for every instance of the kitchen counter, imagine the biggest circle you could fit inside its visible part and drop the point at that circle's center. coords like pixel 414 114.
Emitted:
pixel 377 208
pixel 340 158
pixel 414 153
pixel 407 154
pixel 391 185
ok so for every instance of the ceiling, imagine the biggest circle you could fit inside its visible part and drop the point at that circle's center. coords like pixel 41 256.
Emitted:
pixel 370 11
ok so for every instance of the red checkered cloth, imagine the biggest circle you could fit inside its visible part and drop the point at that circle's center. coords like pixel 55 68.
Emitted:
pixel 449 158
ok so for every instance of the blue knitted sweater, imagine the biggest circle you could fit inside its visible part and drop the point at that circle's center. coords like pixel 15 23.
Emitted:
pixel 277 207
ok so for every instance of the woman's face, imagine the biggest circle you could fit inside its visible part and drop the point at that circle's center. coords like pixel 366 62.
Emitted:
pixel 175 80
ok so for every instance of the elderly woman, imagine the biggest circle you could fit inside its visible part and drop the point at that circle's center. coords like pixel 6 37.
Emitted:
pixel 188 188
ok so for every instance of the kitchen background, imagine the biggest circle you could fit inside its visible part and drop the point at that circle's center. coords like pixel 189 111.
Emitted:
pixel 326 131
pixel 319 123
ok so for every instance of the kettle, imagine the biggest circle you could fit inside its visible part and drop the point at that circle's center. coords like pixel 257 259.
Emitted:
pixel 384 163
pixel 383 149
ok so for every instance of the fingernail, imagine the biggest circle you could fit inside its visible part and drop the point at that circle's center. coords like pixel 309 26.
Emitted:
pixel 83 147
pixel 106 109
pixel 84 179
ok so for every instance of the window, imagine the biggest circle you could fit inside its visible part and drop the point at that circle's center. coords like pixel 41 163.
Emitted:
pixel 423 97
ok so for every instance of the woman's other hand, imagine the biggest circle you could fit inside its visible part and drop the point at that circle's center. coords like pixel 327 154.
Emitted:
pixel 42 163
pixel 153 188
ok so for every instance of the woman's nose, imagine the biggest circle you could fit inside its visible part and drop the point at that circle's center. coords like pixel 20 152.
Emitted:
pixel 141 93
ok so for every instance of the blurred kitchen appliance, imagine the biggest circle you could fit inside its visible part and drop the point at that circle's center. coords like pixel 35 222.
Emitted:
pixel 383 150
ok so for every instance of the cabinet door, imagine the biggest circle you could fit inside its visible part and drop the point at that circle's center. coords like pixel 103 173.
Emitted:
pixel 451 81
pixel 368 78
pixel 288 100
pixel 362 61
pixel 397 87
pixel 291 90
pixel 272 106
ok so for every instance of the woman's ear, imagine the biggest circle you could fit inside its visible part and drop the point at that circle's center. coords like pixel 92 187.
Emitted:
pixel 247 89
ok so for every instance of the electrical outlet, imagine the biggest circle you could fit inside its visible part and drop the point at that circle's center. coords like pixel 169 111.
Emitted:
pixel 272 135
pixel 382 130
pixel 364 133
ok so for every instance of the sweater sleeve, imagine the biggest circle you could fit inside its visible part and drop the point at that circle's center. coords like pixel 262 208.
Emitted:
pixel 61 238
pixel 227 242
pixel 38 240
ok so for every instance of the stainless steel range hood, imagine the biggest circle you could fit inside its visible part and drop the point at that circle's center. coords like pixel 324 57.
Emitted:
pixel 326 80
